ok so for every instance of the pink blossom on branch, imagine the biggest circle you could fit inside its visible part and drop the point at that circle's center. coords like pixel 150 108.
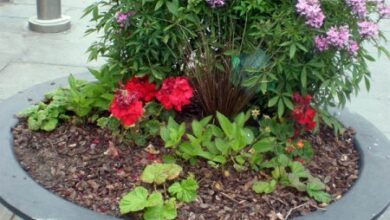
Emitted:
pixel 358 7
pixel 384 10
pixel 311 10
pixel 368 29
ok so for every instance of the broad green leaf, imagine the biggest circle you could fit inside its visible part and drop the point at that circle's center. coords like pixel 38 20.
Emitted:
pixel 298 169
pixel 248 134
pixel 320 196
pixel 185 190
pixel 154 199
pixel 173 6
pixel 282 160
pixel 159 173
pixel 50 125
pixel 273 101
pixel 197 128
pixel 158 5
pixel 226 125
pixel 296 183
pixel 222 146
pixel 315 185
pixel 205 120
pixel 167 211
pixel 219 159
pixel 264 187
pixel 135 200
pixel 265 145
pixel 288 103
pixel 28 111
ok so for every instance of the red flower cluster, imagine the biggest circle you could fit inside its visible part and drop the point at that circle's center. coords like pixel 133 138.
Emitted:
pixel 175 93
pixel 303 114
pixel 127 105
pixel 146 91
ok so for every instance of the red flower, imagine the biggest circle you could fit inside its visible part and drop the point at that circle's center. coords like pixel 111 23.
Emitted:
pixel 126 107
pixel 146 90
pixel 303 114
pixel 175 93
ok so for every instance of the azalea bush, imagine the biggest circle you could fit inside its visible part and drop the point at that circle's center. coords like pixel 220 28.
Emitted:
pixel 313 47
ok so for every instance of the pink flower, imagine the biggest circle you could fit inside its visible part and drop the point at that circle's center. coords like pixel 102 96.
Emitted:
pixel 358 7
pixel 321 43
pixel 216 3
pixel 338 36
pixel 121 17
pixel 368 29
pixel 311 10
pixel 353 47
pixel 384 10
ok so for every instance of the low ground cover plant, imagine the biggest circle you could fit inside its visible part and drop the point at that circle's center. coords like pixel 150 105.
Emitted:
pixel 263 72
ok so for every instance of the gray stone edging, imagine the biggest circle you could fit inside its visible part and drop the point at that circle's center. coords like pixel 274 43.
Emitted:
pixel 366 200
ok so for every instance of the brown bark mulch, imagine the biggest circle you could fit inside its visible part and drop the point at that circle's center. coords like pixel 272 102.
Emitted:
pixel 71 162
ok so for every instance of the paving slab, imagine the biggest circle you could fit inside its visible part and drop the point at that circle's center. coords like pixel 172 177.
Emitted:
pixel 20 76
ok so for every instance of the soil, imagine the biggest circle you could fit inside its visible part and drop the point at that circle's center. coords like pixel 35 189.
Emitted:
pixel 85 165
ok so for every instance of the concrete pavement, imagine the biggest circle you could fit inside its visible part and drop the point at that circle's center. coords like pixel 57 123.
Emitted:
pixel 28 58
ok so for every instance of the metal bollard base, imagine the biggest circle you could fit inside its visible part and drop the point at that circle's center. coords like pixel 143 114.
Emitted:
pixel 49 26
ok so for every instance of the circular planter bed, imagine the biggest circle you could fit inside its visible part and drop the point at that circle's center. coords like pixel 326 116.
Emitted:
pixel 368 197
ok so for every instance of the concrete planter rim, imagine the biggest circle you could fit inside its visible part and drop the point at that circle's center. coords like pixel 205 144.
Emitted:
pixel 367 199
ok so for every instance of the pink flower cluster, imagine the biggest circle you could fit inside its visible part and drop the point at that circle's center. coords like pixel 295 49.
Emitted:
pixel 368 29
pixel 358 7
pixel 384 10
pixel 121 17
pixel 216 3
pixel 311 10
pixel 338 38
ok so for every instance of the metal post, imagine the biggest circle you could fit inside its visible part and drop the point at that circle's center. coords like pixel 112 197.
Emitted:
pixel 49 18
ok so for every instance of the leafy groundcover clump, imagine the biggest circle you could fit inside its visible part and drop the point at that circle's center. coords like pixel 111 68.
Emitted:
pixel 239 87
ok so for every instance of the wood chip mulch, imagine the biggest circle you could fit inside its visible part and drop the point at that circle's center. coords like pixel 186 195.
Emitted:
pixel 71 162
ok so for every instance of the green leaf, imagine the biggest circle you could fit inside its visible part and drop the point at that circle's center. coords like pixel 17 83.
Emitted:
pixel 264 187
pixel 298 169
pixel 239 159
pixel 222 146
pixel 296 182
pixel 197 128
pixel 135 200
pixel 280 108
pixel 293 49
pixel 320 196
pixel 315 185
pixel 185 190
pixel 226 125
pixel 265 145
pixel 28 111
pixel 288 103
pixel 273 101
pixel 166 211
pixel 158 5
pixel 173 6
pixel 282 160
pixel 159 173
pixel 315 190
pixel 50 125
pixel 154 199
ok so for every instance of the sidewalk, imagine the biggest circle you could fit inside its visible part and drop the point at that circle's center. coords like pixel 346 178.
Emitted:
pixel 28 58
